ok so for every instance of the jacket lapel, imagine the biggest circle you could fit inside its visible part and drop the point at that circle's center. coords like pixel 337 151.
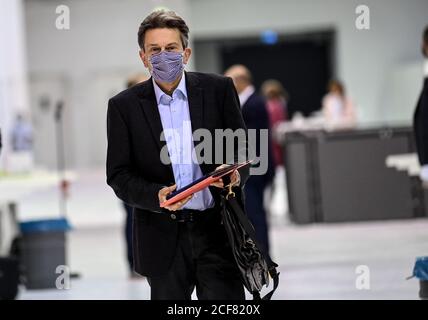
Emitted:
pixel 195 96
pixel 151 112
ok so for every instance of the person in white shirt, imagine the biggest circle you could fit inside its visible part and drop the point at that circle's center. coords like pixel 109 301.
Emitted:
pixel 420 120
pixel 22 135
pixel 337 108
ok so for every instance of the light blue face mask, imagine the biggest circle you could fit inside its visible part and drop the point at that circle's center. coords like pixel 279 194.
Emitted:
pixel 167 66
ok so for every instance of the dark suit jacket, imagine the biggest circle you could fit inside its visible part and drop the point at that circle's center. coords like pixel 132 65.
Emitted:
pixel 420 125
pixel 256 117
pixel 135 171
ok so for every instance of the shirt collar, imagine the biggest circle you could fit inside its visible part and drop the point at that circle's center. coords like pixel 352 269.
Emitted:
pixel 245 94
pixel 180 90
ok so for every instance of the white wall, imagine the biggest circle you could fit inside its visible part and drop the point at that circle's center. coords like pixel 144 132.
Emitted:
pixel 13 72
pixel 101 48
pixel 96 56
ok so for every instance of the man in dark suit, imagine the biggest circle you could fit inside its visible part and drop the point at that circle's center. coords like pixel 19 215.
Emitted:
pixel 420 122
pixel 256 118
pixel 184 245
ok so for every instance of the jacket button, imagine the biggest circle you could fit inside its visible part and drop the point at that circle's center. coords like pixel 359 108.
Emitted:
pixel 173 216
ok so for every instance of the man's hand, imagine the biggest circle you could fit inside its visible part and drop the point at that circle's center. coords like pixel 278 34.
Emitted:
pixel 235 178
pixel 175 206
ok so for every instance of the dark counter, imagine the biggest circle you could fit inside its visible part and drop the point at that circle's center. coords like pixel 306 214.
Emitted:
pixel 339 176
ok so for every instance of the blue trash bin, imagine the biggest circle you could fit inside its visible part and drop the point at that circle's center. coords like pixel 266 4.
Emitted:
pixel 43 250
pixel 420 271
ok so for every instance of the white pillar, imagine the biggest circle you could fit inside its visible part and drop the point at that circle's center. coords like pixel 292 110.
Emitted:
pixel 13 72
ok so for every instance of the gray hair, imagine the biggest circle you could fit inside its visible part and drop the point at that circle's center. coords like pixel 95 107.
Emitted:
pixel 163 19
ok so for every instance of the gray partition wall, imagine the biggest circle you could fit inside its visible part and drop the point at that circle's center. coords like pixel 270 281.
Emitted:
pixel 341 176
pixel 298 174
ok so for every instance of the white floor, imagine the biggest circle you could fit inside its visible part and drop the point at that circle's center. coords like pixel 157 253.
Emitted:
pixel 316 261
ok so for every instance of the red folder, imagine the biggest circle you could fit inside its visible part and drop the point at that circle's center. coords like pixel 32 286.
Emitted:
pixel 201 183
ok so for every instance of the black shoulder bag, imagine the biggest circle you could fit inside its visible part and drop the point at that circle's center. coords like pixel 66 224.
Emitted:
pixel 254 264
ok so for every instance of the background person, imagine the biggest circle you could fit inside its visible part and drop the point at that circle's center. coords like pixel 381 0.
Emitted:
pixel 337 108
pixel 276 103
pixel 22 134
pixel 256 118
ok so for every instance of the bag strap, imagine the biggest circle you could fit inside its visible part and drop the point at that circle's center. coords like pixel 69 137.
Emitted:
pixel 243 219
